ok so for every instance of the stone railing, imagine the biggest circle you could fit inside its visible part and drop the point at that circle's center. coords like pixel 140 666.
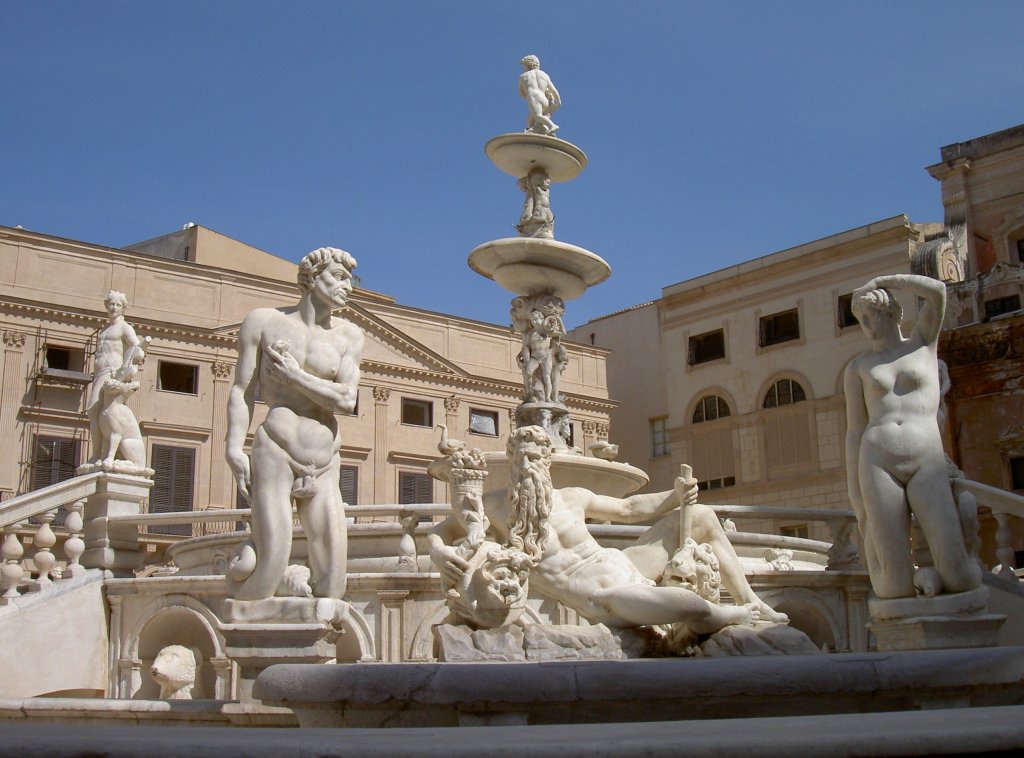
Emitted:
pixel 28 519
pixel 1003 505
pixel 841 553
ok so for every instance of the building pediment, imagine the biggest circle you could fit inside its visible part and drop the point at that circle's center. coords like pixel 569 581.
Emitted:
pixel 390 346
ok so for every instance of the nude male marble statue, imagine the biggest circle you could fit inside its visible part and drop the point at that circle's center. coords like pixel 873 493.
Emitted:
pixel 116 347
pixel 894 459
pixel 306 363
pixel 603 585
pixel 540 94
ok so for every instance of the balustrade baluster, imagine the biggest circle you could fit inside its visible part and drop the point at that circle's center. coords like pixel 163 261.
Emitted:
pixel 1004 547
pixel 44 558
pixel 74 546
pixel 12 571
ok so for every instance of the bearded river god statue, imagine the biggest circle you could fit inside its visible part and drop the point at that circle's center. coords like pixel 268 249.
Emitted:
pixel 538 534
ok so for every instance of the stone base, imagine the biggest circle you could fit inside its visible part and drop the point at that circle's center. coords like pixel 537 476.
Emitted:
pixel 595 692
pixel 938 633
pixel 955 620
pixel 117 467
pixel 536 642
pixel 303 610
pixel 261 633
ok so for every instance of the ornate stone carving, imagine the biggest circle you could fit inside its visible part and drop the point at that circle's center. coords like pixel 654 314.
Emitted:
pixel 605 585
pixel 302 358
pixel 381 394
pixel 451 404
pixel 589 428
pixel 174 669
pixel 537 220
pixel 543 358
pixel 893 395
pixel 221 370
pixel 541 96
pixel 14 340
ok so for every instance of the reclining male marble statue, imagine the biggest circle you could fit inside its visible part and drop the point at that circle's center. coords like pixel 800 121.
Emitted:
pixel 617 588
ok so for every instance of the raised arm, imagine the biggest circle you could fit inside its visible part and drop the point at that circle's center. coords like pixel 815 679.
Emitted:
pixel 241 399
pixel 932 291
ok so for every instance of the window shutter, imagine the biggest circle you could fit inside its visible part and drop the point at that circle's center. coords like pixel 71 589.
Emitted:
pixel 173 480
pixel 349 483
pixel 414 488
pixel 55 460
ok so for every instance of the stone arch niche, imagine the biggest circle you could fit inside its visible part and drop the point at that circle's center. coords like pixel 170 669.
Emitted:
pixel 811 614
pixel 177 620
pixel 356 645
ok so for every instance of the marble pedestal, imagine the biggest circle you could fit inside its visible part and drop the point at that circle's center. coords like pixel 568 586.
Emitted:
pixel 114 546
pixel 956 620
pixel 261 633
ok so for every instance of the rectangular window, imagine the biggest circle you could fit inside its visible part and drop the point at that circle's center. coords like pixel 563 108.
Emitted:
pixel 173 485
pixel 780 327
pixel 845 313
pixel 707 347
pixel 349 483
pixel 177 377
pixel 417 412
pixel 483 422
pixel 1017 473
pixel 414 487
pixel 54 459
pixel 659 437
pixel 1001 305
pixel 717 484
pixel 64 358
pixel 1020 252
pixel 795 530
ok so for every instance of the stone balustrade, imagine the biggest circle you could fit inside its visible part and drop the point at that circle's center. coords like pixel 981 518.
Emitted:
pixel 1003 505
pixel 44 566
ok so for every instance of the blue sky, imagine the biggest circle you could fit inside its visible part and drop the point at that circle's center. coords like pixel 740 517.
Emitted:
pixel 716 132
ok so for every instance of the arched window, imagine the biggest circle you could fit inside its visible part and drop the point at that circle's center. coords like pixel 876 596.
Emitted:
pixel 784 392
pixel 709 408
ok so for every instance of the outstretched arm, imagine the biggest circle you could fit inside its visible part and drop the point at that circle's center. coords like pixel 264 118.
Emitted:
pixel 637 508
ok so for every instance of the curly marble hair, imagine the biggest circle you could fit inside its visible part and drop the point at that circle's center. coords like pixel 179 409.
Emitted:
pixel 313 263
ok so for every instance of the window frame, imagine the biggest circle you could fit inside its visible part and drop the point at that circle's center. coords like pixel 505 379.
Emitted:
pixel 484 412
pixel 161 363
pixel 767 322
pixel 695 342
pixel 702 407
pixel 178 455
pixel 428 405
pixel 773 388
pixel 422 480
pixel 658 427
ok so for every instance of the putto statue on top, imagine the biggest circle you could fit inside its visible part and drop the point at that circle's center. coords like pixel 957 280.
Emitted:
pixel 540 94
pixel 306 364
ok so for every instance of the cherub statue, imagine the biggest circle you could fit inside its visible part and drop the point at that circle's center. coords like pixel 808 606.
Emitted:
pixel 540 94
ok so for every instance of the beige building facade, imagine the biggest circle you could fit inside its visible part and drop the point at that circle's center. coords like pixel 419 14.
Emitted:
pixel 189 292
pixel 983 342
pixel 742 372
